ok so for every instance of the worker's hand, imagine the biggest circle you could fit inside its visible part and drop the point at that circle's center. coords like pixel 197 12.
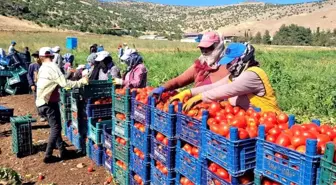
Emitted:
pixel 33 88
pixel 157 91
pixel 117 81
pixel 84 80
pixel 181 96
pixel 192 102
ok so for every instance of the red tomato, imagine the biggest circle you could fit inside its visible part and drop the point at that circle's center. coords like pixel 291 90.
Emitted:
pixel 160 137
pixel 282 118
pixel 213 167
pixel 266 182
pixel 253 131
pixel 165 141
pixel 323 138
pixel 223 174
pixel 223 130
pixel 229 110
pixel 308 135
pixel 194 151
pixel 241 113
pixel 331 133
pixel 214 108
pixel 321 147
pixel 324 129
pixel 301 149
pixel 216 182
pixel 239 122
pixel 256 115
pixel 243 134
pixel 236 110
pixel 187 147
pixel 271 138
pixel 298 141
pixel 283 140
pixel 283 126
pixel 274 132
pixel 211 121
pixel 268 126
pixel 271 119
pixel 250 111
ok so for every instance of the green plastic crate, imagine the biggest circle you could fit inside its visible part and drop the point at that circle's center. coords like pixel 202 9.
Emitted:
pixel 65 96
pixel 121 151
pixel 121 103
pixel 97 89
pixel 95 129
pixel 10 90
pixel 328 167
pixel 121 175
pixel 121 128
pixel 6 73
pixel 22 135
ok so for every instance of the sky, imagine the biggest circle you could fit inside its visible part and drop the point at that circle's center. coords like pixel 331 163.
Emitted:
pixel 218 2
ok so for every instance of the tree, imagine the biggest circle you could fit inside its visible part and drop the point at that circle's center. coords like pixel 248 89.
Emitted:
pixel 266 38
pixel 293 35
pixel 257 38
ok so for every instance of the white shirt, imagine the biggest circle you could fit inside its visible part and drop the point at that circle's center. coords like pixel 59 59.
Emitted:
pixel 11 49
pixel 49 77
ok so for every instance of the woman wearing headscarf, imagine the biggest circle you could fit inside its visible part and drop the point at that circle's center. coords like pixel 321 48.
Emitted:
pixel 205 69
pixel 104 67
pixel 246 86
pixel 136 74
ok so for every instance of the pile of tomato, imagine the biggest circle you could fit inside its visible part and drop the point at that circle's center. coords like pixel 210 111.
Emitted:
pixel 139 153
pixel 141 127
pixel 103 101
pixel 120 116
pixel 142 94
pixel 267 181
pixel 121 141
pixel 295 137
pixel 161 167
pixel 121 165
pixel 191 150
pixel 185 181
pixel 138 179
pixel 161 138
pixel 108 152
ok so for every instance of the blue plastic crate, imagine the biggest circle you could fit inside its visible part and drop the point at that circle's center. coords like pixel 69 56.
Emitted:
pixel 140 112
pixel 77 140
pixel 121 175
pixel 164 154
pixel 69 133
pixel 96 153
pixel 140 166
pixel 295 167
pixel 158 178
pixel 98 111
pixel 108 162
pixel 121 103
pixel 164 122
pixel 179 176
pixel 107 136
pixel 210 178
pixel 121 127
pixel 6 113
pixel 88 148
pixel 140 139
pixel 95 128
pixel 132 181
pixel 237 156
pixel 188 165
pixel 190 129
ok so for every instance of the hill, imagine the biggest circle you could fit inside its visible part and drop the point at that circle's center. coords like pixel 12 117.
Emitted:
pixel 135 17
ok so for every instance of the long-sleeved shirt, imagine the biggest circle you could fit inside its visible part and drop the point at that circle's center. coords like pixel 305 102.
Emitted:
pixel 236 92
pixel 32 73
pixel 189 76
pixel 49 79
pixel 136 78
pixel 114 72
pixel 11 50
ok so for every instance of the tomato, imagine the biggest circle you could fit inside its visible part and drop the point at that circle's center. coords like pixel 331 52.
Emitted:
pixel 298 141
pixel 187 148
pixel 216 182
pixel 241 113
pixel 266 182
pixel 282 118
pixel 243 134
pixel 214 108
pixel 268 126
pixel 331 133
pixel 251 121
pixel 239 122
pixel 313 127
pixel 165 141
pixel 283 126
pixel 271 119
pixel 283 140
pixel 236 110
pixel 244 180
pixel 253 131
pixel 250 112
pixel 321 147
pixel 213 167
pixel 220 116
pixel 123 141
pixel 214 128
pixel 301 149
pixel 183 180
pixel 323 138
pixel 211 121
pixel 308 135
pixel 194 151
pixel 271 138
pixel 324 129
pixel 256 115
pixel 160 137
pixel 274 132
pixel 229 110
pixel 296 130
pixel 223 174
pixel 223 129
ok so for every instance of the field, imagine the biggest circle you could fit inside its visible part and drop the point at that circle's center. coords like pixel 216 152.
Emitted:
pixel 304 77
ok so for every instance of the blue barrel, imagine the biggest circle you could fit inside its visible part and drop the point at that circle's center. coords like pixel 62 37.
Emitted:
pixel 71 43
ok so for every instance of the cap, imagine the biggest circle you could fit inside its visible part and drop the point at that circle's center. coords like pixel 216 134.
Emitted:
pixel 127 54
pixel 233 51
pixel 209 39
pixel 102 55
pixel 35 54
pixel 13 42
pixel 56 49
pixel 45 52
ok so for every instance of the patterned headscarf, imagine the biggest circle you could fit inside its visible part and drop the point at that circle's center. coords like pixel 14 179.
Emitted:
pixel 240 64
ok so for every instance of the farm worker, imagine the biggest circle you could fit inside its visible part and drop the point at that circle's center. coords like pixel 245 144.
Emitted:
pixel 246 86
pixel 50 78
pixel 104 67
pixel 205 70
pixel 57 56
pixel 32 77
pixel 11 49
pixel 125 46
pixel 136 74
pixel 120 51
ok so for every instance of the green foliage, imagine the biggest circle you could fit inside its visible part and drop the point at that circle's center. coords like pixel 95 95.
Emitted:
pixel 266 38
pixel 9 176
pixel 257 38
pixel 293 35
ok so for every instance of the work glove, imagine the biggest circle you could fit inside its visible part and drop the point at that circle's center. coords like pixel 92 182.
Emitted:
pixel 180 96
pixel 192 102
pixel 118 81
pixel 84 80
pixel 157 91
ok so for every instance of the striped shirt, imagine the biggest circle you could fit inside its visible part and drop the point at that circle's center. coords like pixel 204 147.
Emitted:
pixel 49 78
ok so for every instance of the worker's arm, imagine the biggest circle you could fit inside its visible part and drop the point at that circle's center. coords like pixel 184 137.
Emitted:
pixel 249 82
pixel 197 90
pixel 186 78
pixel 61 81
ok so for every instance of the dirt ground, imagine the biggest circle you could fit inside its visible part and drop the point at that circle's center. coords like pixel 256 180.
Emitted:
pixel 61 173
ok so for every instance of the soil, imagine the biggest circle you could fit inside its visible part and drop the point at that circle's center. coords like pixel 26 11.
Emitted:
pixel 60 173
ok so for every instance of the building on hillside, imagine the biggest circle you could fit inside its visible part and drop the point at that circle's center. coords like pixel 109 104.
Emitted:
pixel 152 37
pixel 229 38
pixel 192 37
